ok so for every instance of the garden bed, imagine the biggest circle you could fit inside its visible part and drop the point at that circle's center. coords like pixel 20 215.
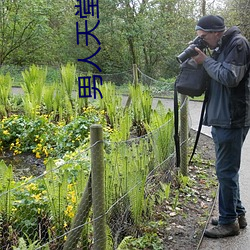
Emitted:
pixel 150 204
pixel 178 221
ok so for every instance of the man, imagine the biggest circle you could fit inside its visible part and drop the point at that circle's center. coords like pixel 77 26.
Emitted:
pixel 228 112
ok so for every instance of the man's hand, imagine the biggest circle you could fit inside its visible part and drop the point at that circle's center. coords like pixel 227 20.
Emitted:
pixel 200 58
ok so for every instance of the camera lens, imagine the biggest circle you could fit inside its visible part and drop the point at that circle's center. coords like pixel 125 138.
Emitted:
pixel 187 53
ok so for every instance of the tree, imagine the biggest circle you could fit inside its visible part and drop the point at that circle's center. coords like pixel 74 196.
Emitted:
pixel 149 33
pixel 237 13
pixel 20 22
pixel 34 31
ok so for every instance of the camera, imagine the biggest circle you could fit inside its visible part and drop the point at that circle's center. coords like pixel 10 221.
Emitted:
pixel 190 51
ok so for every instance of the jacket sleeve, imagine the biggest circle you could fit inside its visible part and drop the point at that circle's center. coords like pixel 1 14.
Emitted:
pixel 234 66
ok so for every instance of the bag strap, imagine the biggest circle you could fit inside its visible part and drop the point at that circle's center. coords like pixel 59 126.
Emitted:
pixel 176 126
pixel 199 127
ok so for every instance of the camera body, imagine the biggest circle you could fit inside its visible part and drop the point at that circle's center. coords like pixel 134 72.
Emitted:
pixel 190 51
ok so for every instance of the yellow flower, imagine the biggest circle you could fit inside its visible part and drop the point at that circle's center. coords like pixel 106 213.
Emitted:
pixel 26 178
pixel 73 199
pixel 45 151
pixel 103 112
pixel 38 155
pixel 69 211
pixel 14 209
pixel 37 196
pixel 6 132
pixel 31 187
pixel 16 152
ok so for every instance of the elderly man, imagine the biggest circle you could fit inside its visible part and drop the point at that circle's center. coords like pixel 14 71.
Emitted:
pixel 228 112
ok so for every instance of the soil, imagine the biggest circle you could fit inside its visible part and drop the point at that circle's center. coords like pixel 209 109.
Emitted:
pixel 186 223
pixel 25 164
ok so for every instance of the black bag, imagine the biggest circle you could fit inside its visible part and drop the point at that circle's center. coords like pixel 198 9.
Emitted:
pixel 192 80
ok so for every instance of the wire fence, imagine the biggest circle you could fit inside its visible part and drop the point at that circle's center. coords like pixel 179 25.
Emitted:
pixel 158 87
pixel 55 210
pixel 42 208
pixel 53 74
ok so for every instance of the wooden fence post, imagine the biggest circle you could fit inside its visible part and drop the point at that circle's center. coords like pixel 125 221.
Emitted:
pixel 135 81
pixel 80 218
pixel 98 195
pixel 135 74
pixel 184 135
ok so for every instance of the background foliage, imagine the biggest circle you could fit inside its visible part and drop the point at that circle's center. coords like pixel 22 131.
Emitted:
pixel 149 33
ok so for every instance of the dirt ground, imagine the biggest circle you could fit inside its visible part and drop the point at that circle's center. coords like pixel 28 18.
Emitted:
pixel 187 222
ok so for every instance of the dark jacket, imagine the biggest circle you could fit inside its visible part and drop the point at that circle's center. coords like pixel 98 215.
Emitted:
pixel 229 90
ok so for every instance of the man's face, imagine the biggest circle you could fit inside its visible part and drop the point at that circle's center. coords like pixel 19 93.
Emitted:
pixel 211 38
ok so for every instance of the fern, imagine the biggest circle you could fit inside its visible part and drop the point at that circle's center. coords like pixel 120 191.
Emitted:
pixel 161 126
pixel 141 103
pixel 56 185
pixel 6 184
pixel 29 245
pixel 33 86
pixel 68 74
pixel 137 179
pixel 48 97
pixel 113 108
pixel 5 90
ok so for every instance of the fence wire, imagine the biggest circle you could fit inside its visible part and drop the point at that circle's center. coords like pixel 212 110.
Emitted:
pixel 43 210
pixel 47 204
